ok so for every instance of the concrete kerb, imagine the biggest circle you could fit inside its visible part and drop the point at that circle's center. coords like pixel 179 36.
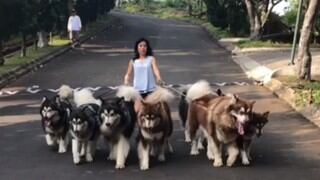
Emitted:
pixel 19 71
pixel 263 74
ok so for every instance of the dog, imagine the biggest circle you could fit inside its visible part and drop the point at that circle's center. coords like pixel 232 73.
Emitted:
pixel 55 113
pixel 84 125
pixel 255 126
pixel 222 119
pixel 155 126
pixel 184 106
pixel 118 119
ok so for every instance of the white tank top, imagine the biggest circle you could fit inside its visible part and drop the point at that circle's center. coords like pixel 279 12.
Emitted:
pixel 144 80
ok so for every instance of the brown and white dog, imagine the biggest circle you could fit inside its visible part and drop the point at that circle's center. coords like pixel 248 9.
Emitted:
pixel 155 126
pixel 221 118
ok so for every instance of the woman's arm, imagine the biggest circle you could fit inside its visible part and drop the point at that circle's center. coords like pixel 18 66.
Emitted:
pixel 128 75
pixel 156 70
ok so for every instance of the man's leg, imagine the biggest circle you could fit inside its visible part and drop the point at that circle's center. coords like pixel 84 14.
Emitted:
pixel 77 38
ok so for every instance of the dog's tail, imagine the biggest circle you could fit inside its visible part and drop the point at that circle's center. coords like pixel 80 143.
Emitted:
pixel 65 92
pixel 198 89
pixel 160 95
pixel 129 93
pixel 85 96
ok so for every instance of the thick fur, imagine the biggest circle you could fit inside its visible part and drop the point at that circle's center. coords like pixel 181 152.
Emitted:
pixel 227 117
pixel 118 121
pixel 255 126
pixel 195 91
pixel 85 96
pixel 84 125
pixel 65 93
pixel 198 90
pixel 219 118
pixel 155 126
pixel 54 119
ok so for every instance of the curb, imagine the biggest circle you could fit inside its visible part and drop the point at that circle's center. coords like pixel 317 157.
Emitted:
pixel 19 71
pixel 261 73
pixel 36 64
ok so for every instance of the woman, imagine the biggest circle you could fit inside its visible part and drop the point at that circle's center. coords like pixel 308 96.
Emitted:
pixel 144 68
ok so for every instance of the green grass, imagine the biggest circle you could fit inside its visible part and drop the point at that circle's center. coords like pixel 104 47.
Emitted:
pixel 32 54
pixel 303 90
pixel 15 60
pixel 164 12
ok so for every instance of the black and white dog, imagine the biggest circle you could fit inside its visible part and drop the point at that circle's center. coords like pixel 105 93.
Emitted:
pixel 55 114
pixel 118 120
pixel 84 125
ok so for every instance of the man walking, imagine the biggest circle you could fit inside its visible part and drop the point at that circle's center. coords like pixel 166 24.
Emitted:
pixel 74 28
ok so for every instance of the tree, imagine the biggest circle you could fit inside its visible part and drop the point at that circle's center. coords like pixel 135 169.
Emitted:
pixel 226 14
pixel 258 14
pixel 9 23
pixel 304 58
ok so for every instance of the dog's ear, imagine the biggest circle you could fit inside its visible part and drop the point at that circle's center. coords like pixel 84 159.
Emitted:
pixel 57 100
pixel 101 100
pixel 234 98
pixel 45 98
pixel 158 106
pixel 266 114
pixel 143 103
pixel 252 103
pixel 120 100
pixel 219 92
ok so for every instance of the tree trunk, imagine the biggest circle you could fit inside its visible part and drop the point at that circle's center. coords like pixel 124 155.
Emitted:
pixel 304 58
pixel 23 52
pixel 1 54
pixel 189 7
pixel 35 40
pixel 42 39
pixel 254 20
pixel 50 38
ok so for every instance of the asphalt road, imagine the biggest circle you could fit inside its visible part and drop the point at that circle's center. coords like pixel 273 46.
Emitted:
pixel 289 149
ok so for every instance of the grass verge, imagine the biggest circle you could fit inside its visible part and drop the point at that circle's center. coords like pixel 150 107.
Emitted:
pixel 307 92
pixel 14 60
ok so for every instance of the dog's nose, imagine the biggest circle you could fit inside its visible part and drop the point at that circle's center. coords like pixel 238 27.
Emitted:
pixel 108 124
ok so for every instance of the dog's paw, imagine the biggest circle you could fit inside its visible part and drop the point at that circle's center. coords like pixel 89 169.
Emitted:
pixel 50 140
pixel 89 158
pixel 230 162
pixel 111 157
pixel 120 166
pixel 187 140
pixel 210 156
pixel 76 160
pixel 200 146
pixel 245 162
pixel 218 163
pixel 62 149
pixel 194 152
pixel 153 152
pixel 161 158
pixel 144 167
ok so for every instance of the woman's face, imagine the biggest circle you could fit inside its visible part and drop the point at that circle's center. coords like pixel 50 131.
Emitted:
pixel 142 48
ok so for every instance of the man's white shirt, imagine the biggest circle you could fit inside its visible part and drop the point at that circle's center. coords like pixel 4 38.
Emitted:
pixel 74 23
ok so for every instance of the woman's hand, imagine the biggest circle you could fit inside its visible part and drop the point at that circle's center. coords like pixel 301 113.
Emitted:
pixel 160 82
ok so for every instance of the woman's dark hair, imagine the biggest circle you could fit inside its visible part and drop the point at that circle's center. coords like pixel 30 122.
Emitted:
pixel 149 49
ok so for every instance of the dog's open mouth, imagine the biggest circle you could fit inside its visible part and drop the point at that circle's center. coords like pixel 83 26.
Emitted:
pixel 240 127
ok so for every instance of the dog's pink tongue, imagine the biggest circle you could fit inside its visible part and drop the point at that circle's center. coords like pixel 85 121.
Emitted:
pixel 240 128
